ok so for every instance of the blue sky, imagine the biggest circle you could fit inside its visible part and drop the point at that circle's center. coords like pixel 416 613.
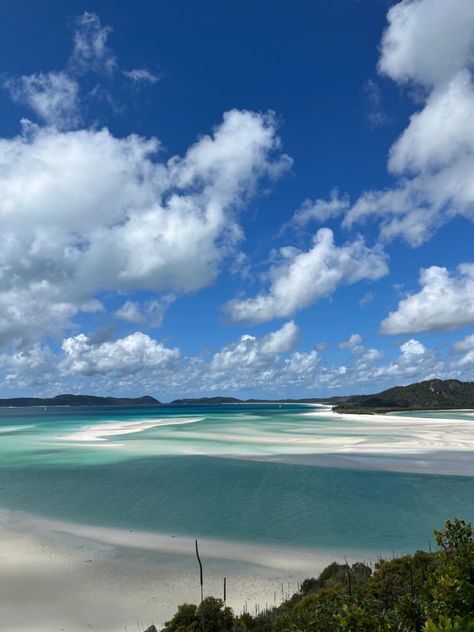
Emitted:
pixel 263 199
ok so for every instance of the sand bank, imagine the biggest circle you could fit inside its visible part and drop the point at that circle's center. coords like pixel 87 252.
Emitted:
pixel 436 444
pixel 446 463
pixel 100 432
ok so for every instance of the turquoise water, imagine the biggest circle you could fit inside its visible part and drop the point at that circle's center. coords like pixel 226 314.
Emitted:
pixel 189 477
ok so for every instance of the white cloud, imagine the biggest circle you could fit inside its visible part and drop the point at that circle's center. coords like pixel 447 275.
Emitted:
pixel 465 347
pixel 84 212
pixel 429 43
pixel 268 363
pixel 364 357
pixel 441 132
pixel 29 310
pixel 301 365
pixel 150 313
pixel 412 347
pixel 466 344
pixel 134 353
pixel 415 363
pixel 302 278
pixel 354 340
pixel 436 152
pixel 467 359
pixel 282 340
pixel 254 352
pixel 90 51
pixel 28 368
pixel 131 312
pixel 141 75
pixel 445 301
pixel 368 356
pixel 256 365
pixel 53 96
pixel 321 210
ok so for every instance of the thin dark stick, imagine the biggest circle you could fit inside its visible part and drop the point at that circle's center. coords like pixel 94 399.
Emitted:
pixel 201 582
pixel 200 570
pixel 225 590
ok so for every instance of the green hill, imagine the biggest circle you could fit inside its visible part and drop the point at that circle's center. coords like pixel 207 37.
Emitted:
pixel 429 395
pixel 79 400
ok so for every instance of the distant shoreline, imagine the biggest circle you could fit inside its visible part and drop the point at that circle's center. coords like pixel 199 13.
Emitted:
pixel 430 395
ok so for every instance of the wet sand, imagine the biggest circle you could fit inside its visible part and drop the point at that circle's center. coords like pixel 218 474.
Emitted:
pixel 71 577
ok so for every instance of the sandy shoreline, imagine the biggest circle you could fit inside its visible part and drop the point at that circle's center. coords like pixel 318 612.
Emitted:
pixel 71 577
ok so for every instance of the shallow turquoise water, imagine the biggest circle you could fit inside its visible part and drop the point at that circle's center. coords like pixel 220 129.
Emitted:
pixel 170 478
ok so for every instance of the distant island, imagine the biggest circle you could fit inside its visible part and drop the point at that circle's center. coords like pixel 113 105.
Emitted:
pixel 429 395
pixel 79 400
pixel 197 401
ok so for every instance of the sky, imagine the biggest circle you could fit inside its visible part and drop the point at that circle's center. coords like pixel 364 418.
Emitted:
pixel 258 199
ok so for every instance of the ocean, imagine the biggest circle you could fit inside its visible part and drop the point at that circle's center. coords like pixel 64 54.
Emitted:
pixel 289 475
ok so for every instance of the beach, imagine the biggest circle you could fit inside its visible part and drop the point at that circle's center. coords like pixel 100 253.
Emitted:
pixel 72 577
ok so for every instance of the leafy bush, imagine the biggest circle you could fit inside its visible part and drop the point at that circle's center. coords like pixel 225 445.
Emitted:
pixel 424 592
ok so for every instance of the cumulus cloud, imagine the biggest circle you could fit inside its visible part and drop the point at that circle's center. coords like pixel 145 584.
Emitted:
pixel 91 50
pixel 427 41
pixel 268 363
pixel 301 278
pixel 134 353
pixel 428 44
pixel 53 96
pixel 445 301
pixel 412 347
pixel 415 363
pixel 254 352
pixel 85 211
pixel 282 340
pixel 364 357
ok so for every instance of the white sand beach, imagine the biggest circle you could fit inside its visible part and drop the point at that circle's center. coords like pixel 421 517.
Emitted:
pixel 59 576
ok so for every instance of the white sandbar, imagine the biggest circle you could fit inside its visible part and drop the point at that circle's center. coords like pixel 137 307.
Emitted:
pixel 100 432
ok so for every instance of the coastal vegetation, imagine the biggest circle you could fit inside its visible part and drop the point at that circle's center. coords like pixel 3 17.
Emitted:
pixel 423 592
pixel 428 395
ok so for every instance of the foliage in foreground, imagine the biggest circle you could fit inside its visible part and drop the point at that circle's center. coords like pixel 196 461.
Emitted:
pixel 424 592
